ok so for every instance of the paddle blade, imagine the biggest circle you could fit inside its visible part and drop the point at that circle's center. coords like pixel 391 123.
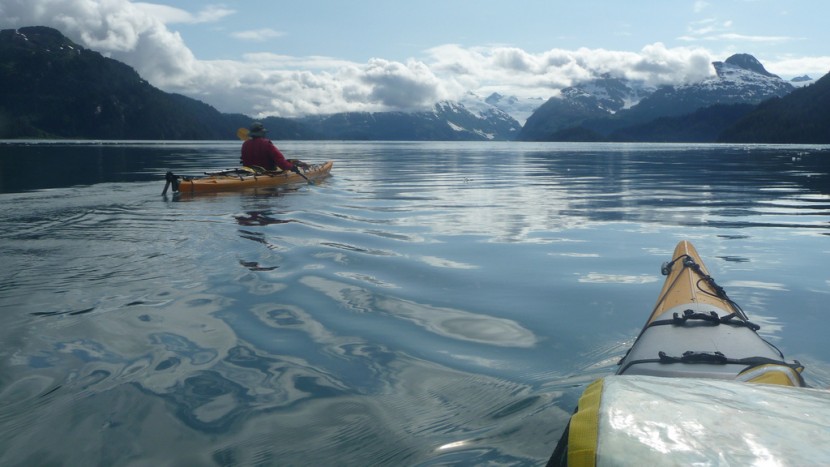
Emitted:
pixel 243 133
pixel 171 181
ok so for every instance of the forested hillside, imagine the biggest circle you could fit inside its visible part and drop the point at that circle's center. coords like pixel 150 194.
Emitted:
pixel 803 116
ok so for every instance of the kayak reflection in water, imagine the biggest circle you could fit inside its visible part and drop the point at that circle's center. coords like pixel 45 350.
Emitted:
pixel 259 218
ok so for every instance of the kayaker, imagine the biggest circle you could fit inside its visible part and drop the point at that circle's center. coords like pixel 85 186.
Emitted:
pixel 259 151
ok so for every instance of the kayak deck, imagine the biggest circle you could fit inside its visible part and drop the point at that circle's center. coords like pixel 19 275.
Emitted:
pixel 684 285
pixel 244 178
pixel 697 331
pixel 682 389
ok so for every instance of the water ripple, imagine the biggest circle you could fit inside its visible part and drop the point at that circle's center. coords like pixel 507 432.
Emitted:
pixel 393 315
pixel 447 322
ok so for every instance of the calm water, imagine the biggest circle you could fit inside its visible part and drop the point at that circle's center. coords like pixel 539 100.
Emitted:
pixel 427 304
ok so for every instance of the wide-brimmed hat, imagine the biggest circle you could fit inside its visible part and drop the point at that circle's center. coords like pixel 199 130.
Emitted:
pixel 257 130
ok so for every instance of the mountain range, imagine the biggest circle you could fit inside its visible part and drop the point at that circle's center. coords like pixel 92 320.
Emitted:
pixel 54 88
pixel 446 121
pixel 616 109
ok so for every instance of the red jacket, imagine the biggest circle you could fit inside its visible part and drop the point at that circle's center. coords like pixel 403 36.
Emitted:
pixel 261 152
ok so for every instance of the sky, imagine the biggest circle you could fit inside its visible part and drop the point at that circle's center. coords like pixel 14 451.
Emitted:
pixel 279 58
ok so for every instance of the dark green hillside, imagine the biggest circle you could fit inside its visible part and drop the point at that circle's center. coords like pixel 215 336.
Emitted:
pixel 803 116
pixel 701 126
pixel 51 87
pixel 55 88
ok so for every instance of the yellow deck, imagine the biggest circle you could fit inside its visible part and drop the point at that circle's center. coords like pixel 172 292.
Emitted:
pixel 683 285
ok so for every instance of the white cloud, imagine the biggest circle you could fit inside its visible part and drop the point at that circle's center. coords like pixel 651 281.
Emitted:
pixel 750 38
pixel 287 62
pixel 543 74
pixel 257 35
pixel 402 86
pixel 714 30
pixel 702 27
pixel 790 67
pixel 213 13
pixel 700 5
pixel 170 15
pixel 733 37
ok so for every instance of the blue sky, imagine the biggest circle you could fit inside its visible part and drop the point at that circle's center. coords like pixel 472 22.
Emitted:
pixel 361 30
pixel 294 58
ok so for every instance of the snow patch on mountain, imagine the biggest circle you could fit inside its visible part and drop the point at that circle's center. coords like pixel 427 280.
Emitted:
pixel 741 78
pixel 494 104
pixel 486 121
pixel 608 93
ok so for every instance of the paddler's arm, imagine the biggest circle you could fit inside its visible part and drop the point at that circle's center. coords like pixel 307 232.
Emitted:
pixel 280 160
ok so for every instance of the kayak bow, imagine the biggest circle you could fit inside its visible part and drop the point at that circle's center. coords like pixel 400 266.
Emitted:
pixel 697 331
pixel 681 393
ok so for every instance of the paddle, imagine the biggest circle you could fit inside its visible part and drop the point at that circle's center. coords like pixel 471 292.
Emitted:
pixel 170 180
pixel 244 134
pixel 296 170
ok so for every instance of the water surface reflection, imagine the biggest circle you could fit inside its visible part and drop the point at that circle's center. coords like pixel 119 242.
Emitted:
pixel 429 303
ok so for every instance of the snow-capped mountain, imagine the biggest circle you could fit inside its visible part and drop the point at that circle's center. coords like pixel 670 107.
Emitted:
pixel 741 79
pixel 518 108
pixel 599 98
pixel 489 122
pixel 609 93
pixel 607 104
pixel 446 121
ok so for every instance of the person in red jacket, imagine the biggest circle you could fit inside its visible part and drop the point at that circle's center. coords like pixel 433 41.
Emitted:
pixel 259 151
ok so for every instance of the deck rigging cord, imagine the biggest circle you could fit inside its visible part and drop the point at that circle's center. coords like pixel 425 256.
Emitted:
pixel 719 292
pixel 689 262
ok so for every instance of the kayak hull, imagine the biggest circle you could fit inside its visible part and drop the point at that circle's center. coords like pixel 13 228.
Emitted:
pixel 233 182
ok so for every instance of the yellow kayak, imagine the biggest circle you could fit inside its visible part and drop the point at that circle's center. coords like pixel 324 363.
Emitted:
pixel 697 374
pixel 245 178
pixel 696 331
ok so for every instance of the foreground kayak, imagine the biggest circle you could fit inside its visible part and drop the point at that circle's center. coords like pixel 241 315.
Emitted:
pixel 699 386
pixel 244 178
pixel 696 331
